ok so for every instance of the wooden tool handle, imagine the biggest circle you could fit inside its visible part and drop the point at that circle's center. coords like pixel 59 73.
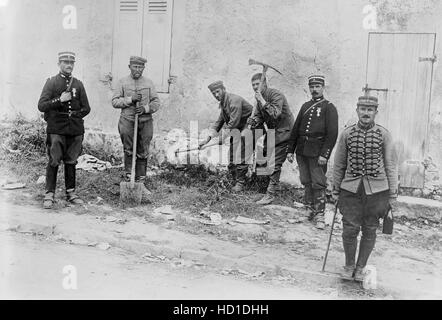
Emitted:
pixel 330 237
pixel 134 151
pixel 255 106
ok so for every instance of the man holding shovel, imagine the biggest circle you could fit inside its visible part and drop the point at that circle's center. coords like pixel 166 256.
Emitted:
pixel 365 183
pixel 65 104
pixel 234 112
pixel 136 95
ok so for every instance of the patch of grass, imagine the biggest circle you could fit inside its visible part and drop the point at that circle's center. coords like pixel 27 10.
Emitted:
pixel 191 188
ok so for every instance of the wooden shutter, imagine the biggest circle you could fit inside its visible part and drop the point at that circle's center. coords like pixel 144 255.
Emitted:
pixel 127 35
pixel 157 35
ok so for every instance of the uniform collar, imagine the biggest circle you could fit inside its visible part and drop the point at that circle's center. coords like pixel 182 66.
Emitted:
pixel 368 127
pixel 318 99
pixel 65 76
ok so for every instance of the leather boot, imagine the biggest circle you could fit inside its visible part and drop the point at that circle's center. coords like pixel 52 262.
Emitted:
pixel 233 172
pixel 308 195
pixel 69 176
pixel 48 202
pixel 350 247
pixel 140 170
pixel 72 197
pixel 318 208
pixel 366 246
pixel 51 178
pixel 127 164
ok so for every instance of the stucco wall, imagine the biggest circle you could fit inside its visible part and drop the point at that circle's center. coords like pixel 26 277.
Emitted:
pixel 212 40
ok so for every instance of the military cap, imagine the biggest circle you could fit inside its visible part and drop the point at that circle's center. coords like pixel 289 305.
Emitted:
pixel 316 79
pixel 368 101
pixel 137 60
pixel 216 85
pixel 66 56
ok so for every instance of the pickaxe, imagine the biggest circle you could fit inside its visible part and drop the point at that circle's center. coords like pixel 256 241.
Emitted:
pixel 265 67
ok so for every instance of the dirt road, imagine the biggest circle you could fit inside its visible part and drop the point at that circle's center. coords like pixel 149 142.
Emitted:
pixel 32 268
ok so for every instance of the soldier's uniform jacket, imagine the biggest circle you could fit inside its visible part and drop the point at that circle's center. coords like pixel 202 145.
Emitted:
pixel 276 114
pixel 64 118
pixel 367 156
pixel 128 87
pixel 235 111
pixel 316 129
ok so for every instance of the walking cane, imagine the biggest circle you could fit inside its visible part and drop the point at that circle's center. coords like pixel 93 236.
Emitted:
pixel 329 238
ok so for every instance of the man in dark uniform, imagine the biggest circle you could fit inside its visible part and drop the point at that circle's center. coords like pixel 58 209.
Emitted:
pixel 365 183
pixel 234 113
pixel 273 111
pixel 314 136
pixel 136 94
pixel 65 104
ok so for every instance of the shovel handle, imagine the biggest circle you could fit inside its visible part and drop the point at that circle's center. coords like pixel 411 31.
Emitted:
pixel 134 151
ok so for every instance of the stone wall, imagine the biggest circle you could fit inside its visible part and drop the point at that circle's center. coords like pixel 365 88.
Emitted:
pixel 212 40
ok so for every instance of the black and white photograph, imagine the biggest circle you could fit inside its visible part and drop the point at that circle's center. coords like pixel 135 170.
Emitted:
pixel 235 152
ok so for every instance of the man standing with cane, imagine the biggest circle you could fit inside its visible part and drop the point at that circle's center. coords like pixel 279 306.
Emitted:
pixel 365 182
pixel 136 94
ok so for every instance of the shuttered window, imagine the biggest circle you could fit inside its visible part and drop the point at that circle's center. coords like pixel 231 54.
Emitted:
pixel 157 6
pixel 144 28
pixel 129 6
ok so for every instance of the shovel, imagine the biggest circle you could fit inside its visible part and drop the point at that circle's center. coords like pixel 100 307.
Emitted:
pixel 132 192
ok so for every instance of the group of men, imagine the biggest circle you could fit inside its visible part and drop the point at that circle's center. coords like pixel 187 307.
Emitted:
pixel 365 167
pixel 312 136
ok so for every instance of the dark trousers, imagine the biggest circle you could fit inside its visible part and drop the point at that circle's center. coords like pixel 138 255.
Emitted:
pixel 62 148
pixel 144 137
pixel 312 176
pixel 238 157
pixel 311 173
pixel 361 212
pixel 274 164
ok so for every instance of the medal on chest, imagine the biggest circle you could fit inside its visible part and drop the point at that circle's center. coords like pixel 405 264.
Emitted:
pixel 318 112
pixel 74 92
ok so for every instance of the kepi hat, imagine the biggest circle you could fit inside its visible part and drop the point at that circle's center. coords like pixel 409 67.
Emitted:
pixel 368 101
pixel 316 79
pixel 66 56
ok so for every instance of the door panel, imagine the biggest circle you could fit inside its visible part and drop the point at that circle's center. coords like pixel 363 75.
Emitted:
pixel 401 63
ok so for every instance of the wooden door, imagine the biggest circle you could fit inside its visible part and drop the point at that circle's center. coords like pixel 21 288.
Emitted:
pixel 399 72
pixel 144 28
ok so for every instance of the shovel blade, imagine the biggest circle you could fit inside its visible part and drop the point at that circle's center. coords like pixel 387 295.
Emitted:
pixel 131 195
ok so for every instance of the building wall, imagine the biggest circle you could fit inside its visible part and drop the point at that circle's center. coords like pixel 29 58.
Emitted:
pixel 212 40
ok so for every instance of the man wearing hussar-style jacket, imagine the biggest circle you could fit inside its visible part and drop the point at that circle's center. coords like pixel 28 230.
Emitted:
pixel 365 183
pixel 65 104
pixel 313 137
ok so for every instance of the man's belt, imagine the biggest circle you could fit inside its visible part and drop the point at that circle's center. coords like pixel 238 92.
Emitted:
pixel 70 113
pixel 312 137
